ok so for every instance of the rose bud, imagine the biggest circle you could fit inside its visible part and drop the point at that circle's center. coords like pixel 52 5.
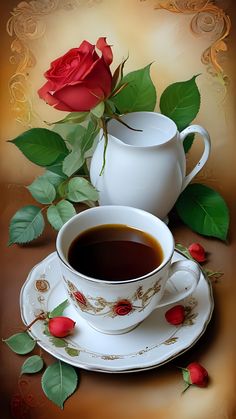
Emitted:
pixel 195 374
pixel 197 252
pixel 175 315
pixel 61 327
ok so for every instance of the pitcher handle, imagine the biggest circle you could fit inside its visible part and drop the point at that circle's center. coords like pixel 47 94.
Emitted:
pixel 207 147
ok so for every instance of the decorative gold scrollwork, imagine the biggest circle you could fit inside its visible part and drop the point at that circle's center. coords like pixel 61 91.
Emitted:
pixel 27 24
pixel 209 19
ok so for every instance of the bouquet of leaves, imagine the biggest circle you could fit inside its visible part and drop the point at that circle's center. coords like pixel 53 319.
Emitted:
pixel 81 83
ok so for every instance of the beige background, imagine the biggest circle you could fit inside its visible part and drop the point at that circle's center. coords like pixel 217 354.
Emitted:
pixel 42 30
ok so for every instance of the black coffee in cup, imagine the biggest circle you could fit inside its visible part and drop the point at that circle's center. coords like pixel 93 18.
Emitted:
pixel 115 252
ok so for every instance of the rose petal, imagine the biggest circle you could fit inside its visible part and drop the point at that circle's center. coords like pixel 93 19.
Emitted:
pixel 99 76
pixel 84 68
pixel 105 50
pixel 86 47
pixel 78 97
pixel 50 99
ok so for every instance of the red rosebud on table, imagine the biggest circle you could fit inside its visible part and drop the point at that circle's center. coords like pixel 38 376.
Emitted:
pixel 197 252
pixel 61 326
pixel 175 315
pixel 195 374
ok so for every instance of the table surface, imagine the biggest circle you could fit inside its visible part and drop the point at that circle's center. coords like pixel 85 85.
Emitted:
pixel 150 394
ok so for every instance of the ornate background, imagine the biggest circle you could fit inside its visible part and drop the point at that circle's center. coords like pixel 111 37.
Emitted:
pixel 181 38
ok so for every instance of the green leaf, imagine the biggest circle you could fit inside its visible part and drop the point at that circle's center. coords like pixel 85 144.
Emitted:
pixel 61 190
pixel 188 142
pixel 74 137
pixel 60 213
pixel 110 108
pixel 204 211
pixel 181 102
pixel 42 190
pixel 56 168
pixel 20 343
pixel 138 95
pixel 72 118
pixel 65 130
pixel 53 178
pixel 89 137
pixel 27 224
pixel 32 364
pixel 186 376
pixel 58 311
pixel 41 146
pixel 73 162
pixel 98 111
pixel 46 331
pixel 59 381
pixel 81 141
pixel 80 189
pixel 72 351
pixel 58 342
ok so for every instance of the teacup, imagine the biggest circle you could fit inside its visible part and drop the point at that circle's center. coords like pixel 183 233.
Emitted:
pixel 117 306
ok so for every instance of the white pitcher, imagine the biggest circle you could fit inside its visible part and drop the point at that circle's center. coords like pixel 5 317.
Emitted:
pixel 144 169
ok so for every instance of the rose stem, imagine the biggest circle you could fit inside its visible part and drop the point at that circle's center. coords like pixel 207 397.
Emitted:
pixel 39 317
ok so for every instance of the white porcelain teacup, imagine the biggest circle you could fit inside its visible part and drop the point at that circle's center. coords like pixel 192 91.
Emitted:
pixel 118 306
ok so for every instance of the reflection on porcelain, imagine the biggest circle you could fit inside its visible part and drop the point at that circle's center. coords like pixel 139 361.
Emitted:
pixel 153 343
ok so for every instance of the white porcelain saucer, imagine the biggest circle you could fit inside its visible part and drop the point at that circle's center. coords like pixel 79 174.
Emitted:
pixel 153 343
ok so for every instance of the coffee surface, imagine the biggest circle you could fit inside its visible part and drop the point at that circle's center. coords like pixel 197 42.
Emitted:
pixel 115 252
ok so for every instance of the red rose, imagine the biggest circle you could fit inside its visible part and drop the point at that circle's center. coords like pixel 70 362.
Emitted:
pixel 80 79
pixel 122 308
pixel 197 252
pixel 175 315
pixel 80 298
pixel 195 374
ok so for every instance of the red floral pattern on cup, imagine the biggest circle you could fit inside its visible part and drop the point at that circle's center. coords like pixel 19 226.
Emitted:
pixel 122 308
pixel 80 298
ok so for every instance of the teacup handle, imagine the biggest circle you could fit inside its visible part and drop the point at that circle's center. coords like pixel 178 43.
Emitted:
pixel 194 274
pixel 196 129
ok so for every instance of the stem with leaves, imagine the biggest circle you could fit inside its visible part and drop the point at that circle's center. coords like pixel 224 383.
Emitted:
pixel 64 150
pixel 59 380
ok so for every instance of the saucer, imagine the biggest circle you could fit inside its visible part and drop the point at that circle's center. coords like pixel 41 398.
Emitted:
pixel 151 344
